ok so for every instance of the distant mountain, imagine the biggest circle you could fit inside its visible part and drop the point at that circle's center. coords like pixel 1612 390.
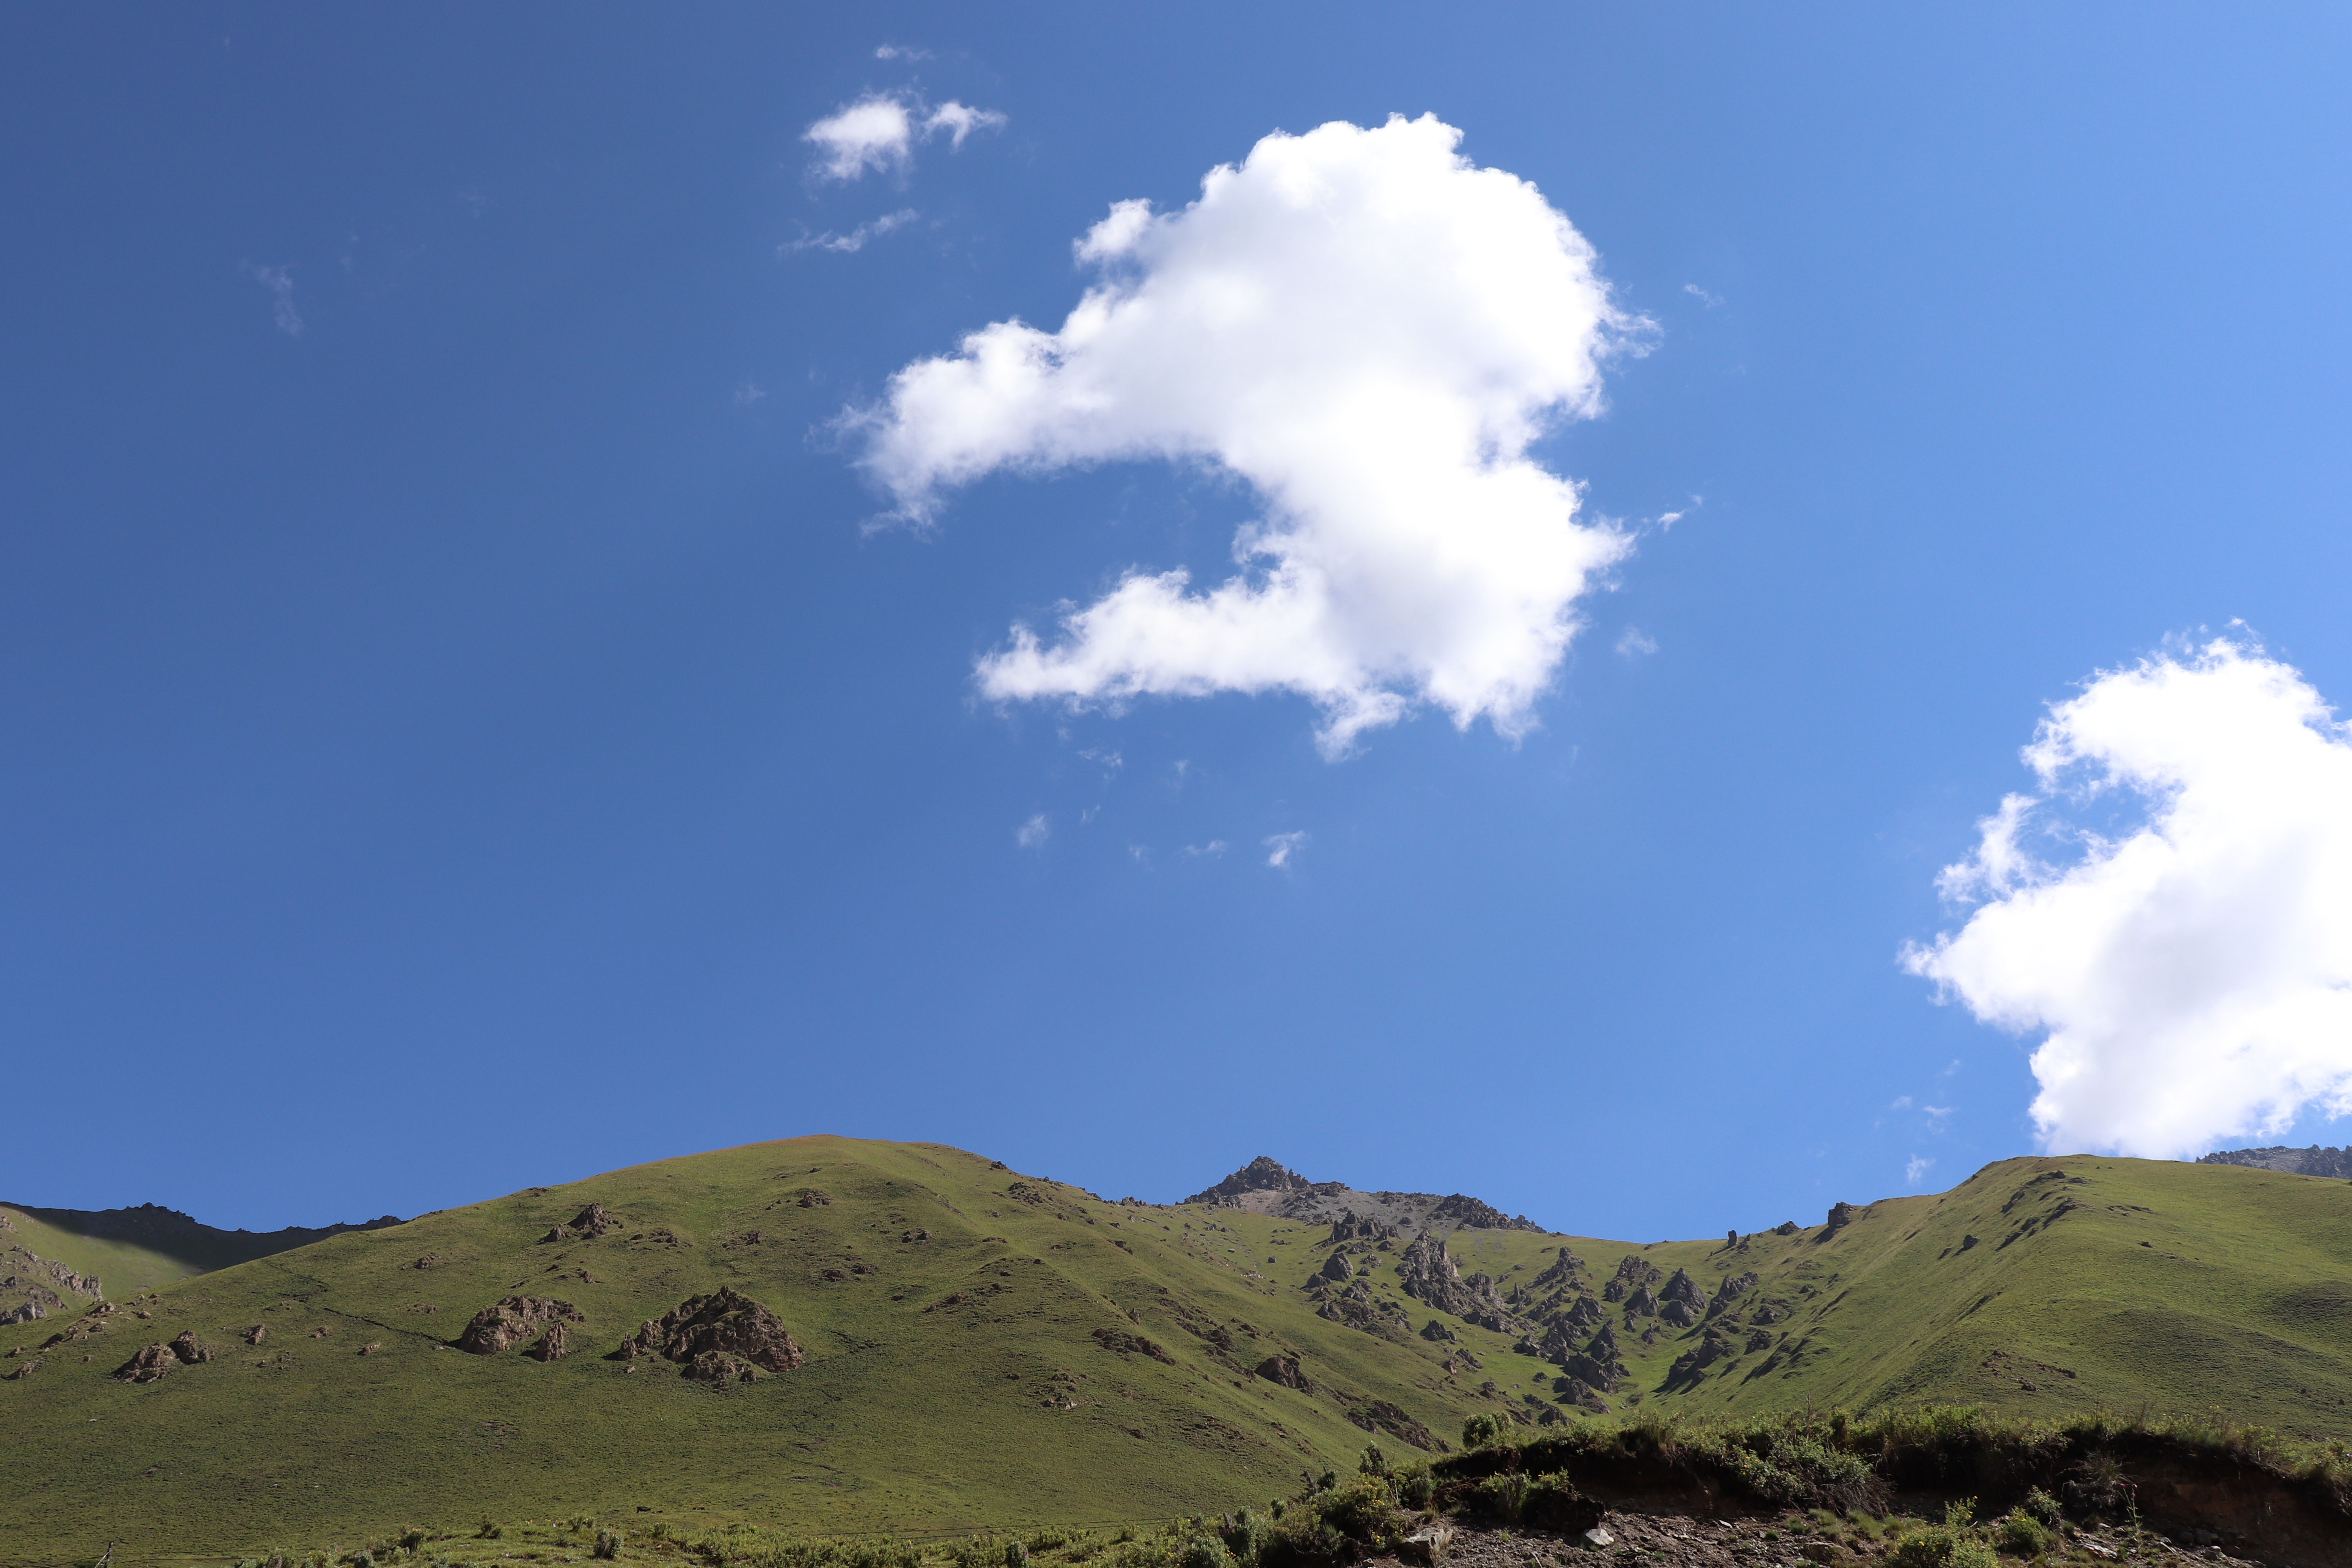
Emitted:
pixel 2312 1161
pixel 1266 1186
pixel 49 1255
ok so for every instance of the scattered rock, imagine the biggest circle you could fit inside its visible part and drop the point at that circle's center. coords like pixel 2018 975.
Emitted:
pixel 552 1345
pixel 811 1198
pixel 1380 1415
pixel 1124 1343
pixel 513 1319
pixel 1841 1215
pixel 1787 1228
pixel 726 1321
pixel 430 1260
pixel 1731 1290
pixel 1283 1369
pixel 718 1368
pixel 1336 1267
pixel 1642 1304
pixel 1438 1334
pixel 258 1334
pixel 27 1369
pixel 371 1347
pixel 151 1363
pixel 189 1350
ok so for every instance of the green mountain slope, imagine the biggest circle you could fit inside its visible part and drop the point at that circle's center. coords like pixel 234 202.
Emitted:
pixel 119 1267
pixel 983 1348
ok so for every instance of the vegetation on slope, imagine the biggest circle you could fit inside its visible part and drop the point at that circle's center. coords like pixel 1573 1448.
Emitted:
pixel 973 1349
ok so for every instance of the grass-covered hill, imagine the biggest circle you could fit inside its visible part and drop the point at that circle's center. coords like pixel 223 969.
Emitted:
pixel 969 1346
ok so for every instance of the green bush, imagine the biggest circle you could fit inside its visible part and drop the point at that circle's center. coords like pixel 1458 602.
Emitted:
pixel 608 1545
pixel 1246 1538
pixel 1502 1496
pixel 1016 1555
pixel 1205 1551
pixel 490 1532
pixel 2043 1507
pixel 1374 1462
pixel 1415 1487
pixel 410 1540
pixel 2022 1535
pixel 1953 1543
pixel 1481 1430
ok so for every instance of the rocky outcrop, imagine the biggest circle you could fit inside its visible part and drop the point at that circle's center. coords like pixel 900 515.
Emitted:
pixel 40 1277
pixel 552 1345
pixel 1349 1227
pixel 1841 1215
pixel 725 1323
pixel 1690 1367
pixel 513 1320
pixel 1428 1273
pixel 151 1363
pixel 591 1222
pixel 1380 1415
pixel 1438 1334
pixel 1283 1369
pixel 1461 1210
pixel 1634 1271
pixel 2312 1161
pixel 1336 1268
pixel 1642 1303
pixel 1561 1271
pixel 258 1334
pixel 31 1310
pixel 189 1349
pixel 1730 1291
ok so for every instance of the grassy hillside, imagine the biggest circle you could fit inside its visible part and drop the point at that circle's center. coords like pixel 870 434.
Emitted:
pixel 948 1309
pixel 988 1349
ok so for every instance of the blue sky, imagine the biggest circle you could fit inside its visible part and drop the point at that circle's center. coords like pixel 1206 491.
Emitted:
pixel 470 723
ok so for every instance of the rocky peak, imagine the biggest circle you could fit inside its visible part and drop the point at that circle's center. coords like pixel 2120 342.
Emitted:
pixel 1262 1175
pixel 2312 1161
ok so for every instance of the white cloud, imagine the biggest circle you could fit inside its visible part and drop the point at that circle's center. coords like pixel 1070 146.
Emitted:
pixel 1280 848
pixel 1213 848
pixel 1711 301
pixel 1636 643
pixel 749 391
pixel 900 52
pixel 856 239
pixel 1033 832
pixel 2192 974
pixel 1902 1102
pixel 279 282
pixel 960 121
pixel 1370 331
pixel 878 133
pixel 1915 1169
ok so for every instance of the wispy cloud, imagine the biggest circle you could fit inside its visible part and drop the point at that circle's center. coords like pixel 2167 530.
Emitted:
pixel 1281 847
pixel 900 52
pixel 1636 643
pixel 1033 832
pixel 857 240
pixel 1917 1168
pixel 749 391
pixel 279 282
pixel 1213 847
pixel 878 132
pixel 1712 301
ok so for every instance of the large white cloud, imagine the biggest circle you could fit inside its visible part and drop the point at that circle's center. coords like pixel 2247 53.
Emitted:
pixel 1369 330
pixel 2193 971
